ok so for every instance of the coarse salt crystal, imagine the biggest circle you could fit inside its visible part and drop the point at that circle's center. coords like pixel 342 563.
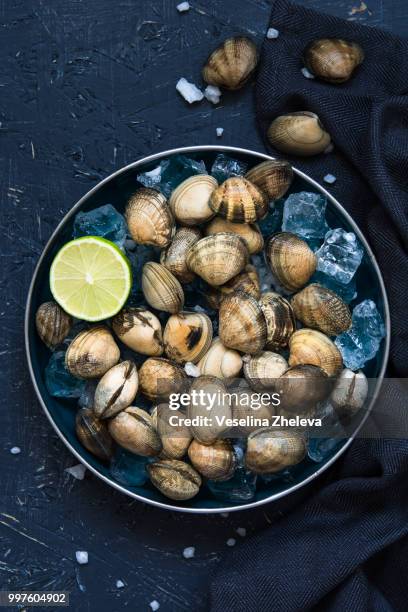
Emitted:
pixel 183 7
pixel 220 132
pixel 154 605
pixel 241 531
pixel 231 542
pixel 16 450
pixel 225 514
pixel 191 369
pixel 307 74
pixel 330 178
pixel 81 557
pixel 272 33
pixel 189 91
pixel 212 93
pixel 120 584
pixel 189 552
pixel 77 471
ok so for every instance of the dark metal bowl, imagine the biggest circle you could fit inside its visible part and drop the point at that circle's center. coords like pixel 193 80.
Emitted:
pixel 115 189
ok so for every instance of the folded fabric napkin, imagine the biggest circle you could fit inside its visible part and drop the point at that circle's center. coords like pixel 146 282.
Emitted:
pixel 346 547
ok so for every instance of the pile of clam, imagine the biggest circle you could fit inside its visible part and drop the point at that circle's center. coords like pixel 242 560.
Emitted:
pixel 207 233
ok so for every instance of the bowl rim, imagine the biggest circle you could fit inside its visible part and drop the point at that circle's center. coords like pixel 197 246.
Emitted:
pixel 73 210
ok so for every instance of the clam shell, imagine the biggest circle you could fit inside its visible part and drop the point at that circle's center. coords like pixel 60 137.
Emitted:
pixel 92 353
pixel 53 324
pixel 249 232
pixel 116 390
pixel 190 200
pixel 246 403
pixel 174 258
pixel 159 377
pixel 220 361
pixel 209 398
pixel 273 177
pixel 93 434
pixel 187 336
pixel 149 218
pixel 242 323
pixel 246 281
pixel 270 450
pixel 215 461
pixel 175 438
pixel 262 370
pixel 280 320
pixel 322 309
pixel 175 479
pixel 133 429
pixel 332 59
pixel 299 134
pixel 239 201
pixel 140 330
pixel 232 63
pixel 291 260
pixel 161 289
pixel 302 387
pixel 218 258
pixel 349 393
pixel 311 347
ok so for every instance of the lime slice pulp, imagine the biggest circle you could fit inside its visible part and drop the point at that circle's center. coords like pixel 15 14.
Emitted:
pixel 90 278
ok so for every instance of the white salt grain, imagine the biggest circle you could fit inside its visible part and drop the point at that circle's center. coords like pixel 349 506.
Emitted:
pixel 272 33
pixel 189 552
pixel 191 369
pixel 212 93
pixel 189 91
pixel 183 7
pixel 154 605
pixel 77 471
pixel 330 179
pixel 120 584
pixel 220 132
pixel 329 148
pixel 231 542
pixel 307 74
pixel 16 450
pixel 225 514
pixel 81 557
pixel 241 531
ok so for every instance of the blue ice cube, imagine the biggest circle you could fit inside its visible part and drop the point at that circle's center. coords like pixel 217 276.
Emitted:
pixel 59 382
pixel 241 487
pixel 224 167
pixel 86 399
pixel 362 341
pixel 104 221
pixel 272 223
pixel 171 172
pixel 346 292
pixel 129 469
pixel 138 257
pixel 321 449
pixel 304 215
pixel 340 255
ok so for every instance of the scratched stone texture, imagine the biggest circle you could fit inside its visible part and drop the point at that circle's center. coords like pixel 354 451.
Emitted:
pixel 87 86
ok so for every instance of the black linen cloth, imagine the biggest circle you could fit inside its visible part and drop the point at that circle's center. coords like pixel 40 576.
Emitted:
pixel 346 547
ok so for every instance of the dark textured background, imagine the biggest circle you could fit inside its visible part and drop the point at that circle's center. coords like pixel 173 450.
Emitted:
pixel 85 88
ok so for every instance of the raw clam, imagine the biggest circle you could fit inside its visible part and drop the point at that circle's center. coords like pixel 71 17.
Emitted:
pixel 140 330
pixel 311 347
pixel 246 281
pixel 149 218
pixel 249 232
pixel 273 177
pixel 239 201
pixel 231 64
pixel 175 479
pixel 161 289
pixel 190 200
pixel 262 370
pixel 246 403
pixel 322 309
pixel 220 361
pixel 187 336
pixel 280 320
pixel 302 387
pixel 159 377
pixel 116 390
pixel 133 429
pixel 208 399
pixel 174 434
pixel 94 434
pixel 332 59
pixel 218 258
pixel 92 353
pixel 271 450
pixel 174 258
pixel 53 324
pixel 349 393
pixel 291 260
pixel 242 323
pixel 215 461
pixel 299 134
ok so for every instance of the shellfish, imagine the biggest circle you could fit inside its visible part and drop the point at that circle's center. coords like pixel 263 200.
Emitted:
pixel 280 320
pixel 140 330
pixel 92 353
pixel 232 63
pixel 190 200
pixel 174 258
pixel 246 281
pixel 333 59
pixel 218 258
pixel 349 393
pixel 116 390
pixel 262 370
pixel 208 397
pixel 133 429
pixel 311 347
pixel 242 323
pixel 161 289
pixel 187 336
pixel 249 232
pixel 302 387
pixel 322 309
pixel 215 461
pixel 291 260
pixel 239 201
pixel 159 377
pixel 270 450
pixel 149 218
pixel 220 361
pixel 175 479
pixel 299 133
pixel 176 437
pixel 93 434
pixel 53 324
pixel 273 177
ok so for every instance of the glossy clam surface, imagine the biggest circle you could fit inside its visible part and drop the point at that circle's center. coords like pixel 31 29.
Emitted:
pixel 172 482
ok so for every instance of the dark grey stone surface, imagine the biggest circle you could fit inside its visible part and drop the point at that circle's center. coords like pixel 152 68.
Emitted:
pixel 87 86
